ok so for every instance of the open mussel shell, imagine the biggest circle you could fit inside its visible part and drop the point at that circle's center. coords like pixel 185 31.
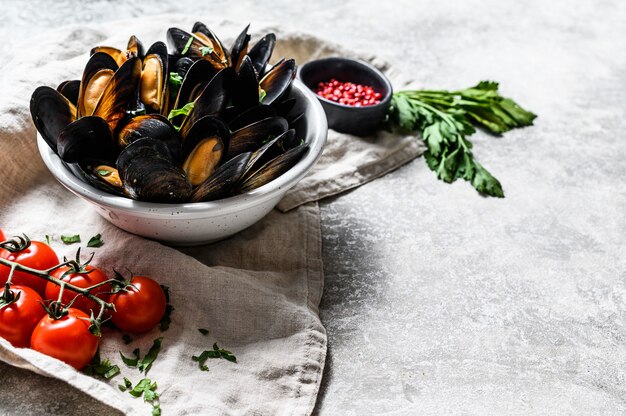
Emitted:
pixel 277 81
pixel 273 169
pixel 119 93
pixel 212 100
pixel 253 136
pixel 196 79
pixel 154 78
pixel 51 113
pixel 149 173
pixel 249 116
pixel 223 180
pixel 246 88
pixel 88 138
pixel 134 47
pixel 269 151
pixel 195 46
pixel 98 72
pixel 240 48
pixel 100 175
pixel 203 148
pixel 154 126
pixel 261 52
pixel 218 53
pixel 70 90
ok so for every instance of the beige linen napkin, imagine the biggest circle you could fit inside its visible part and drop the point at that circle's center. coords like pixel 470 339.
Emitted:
pixel 257 292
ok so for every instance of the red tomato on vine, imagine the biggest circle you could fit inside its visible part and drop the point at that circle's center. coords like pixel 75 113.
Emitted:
pixel 33 254
pixel 85 277
pixel 140 307
pixel 19 318
pixel 67 339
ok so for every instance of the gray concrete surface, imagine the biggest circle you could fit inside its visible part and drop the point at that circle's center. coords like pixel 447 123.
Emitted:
pixel 439 301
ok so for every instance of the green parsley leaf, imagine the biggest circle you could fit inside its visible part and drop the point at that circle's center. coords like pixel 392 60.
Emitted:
pixel 127 385
pixel 203 331
pixel 216 352
pixel 262 95
pixel 95 241
pixel 175 82
pixel 103 368
pixel 70 239
pixel 132 361
pixel 104 172
pixel 205 50
pixel 181 111
pixel 187 45
pixel 143 385
pixel 156 409
pixel 446 118
pixel 146 362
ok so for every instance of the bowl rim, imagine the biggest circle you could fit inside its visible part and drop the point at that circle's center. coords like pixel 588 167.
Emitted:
pixel 318 134
pixel 377 72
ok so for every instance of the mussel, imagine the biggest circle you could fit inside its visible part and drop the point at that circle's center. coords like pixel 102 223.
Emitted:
pixel 197 123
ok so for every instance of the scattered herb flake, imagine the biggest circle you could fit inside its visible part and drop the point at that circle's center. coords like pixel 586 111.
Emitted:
pixel 70 239
pixel 127 385
pixel 262 95
pixel 205 50
pixel 95 241
pixel 146 362
pixel 216 352
pixel 48 239
pixel 181 111
pixel 103 368
pixel 203 331
pixel 187 45
pixel 104 172
pixel 131 362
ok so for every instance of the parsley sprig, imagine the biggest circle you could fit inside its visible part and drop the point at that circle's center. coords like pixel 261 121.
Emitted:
pixel 446 118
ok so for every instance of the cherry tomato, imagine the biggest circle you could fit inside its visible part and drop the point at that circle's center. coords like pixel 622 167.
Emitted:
pixel 140 309
pixel 37 256
pixel 18 319
pixel 67 339
pixel 92 277
pixel 2 237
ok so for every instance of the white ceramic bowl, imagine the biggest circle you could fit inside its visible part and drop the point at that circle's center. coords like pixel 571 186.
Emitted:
pixel 204 222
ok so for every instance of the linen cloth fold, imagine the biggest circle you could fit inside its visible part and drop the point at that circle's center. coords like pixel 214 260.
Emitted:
pixel 258 292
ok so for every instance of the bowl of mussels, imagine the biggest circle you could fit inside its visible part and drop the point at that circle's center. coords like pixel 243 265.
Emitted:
pixel 187 142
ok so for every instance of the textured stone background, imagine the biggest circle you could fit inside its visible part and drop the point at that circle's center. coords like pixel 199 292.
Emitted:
pixel 439 301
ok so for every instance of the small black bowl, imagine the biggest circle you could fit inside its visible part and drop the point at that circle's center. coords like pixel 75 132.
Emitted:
pixel 360 121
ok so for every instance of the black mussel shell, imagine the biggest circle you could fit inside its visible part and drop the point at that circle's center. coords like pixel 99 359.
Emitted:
pixel 70 90
pixel 240 48
pixel 197 78
pixel 205 127
pixel 154 126
pixel 120 93
pixel 194 47
pixel 134 47
pixel 253 136
pixel 246 88
pixel 251 115
pixel 90 173
pixel 149 174
pixel 261 52
pixel 221 183
pixel 273 169
pixel 154 78
pixel 204 148
pixel 103 66
pixel 212 99
pixel 269 151
pixel 219 53
pixel 88 138
pixel 182 66
pixel 277 81
pixel 51 113
pixel 299 125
